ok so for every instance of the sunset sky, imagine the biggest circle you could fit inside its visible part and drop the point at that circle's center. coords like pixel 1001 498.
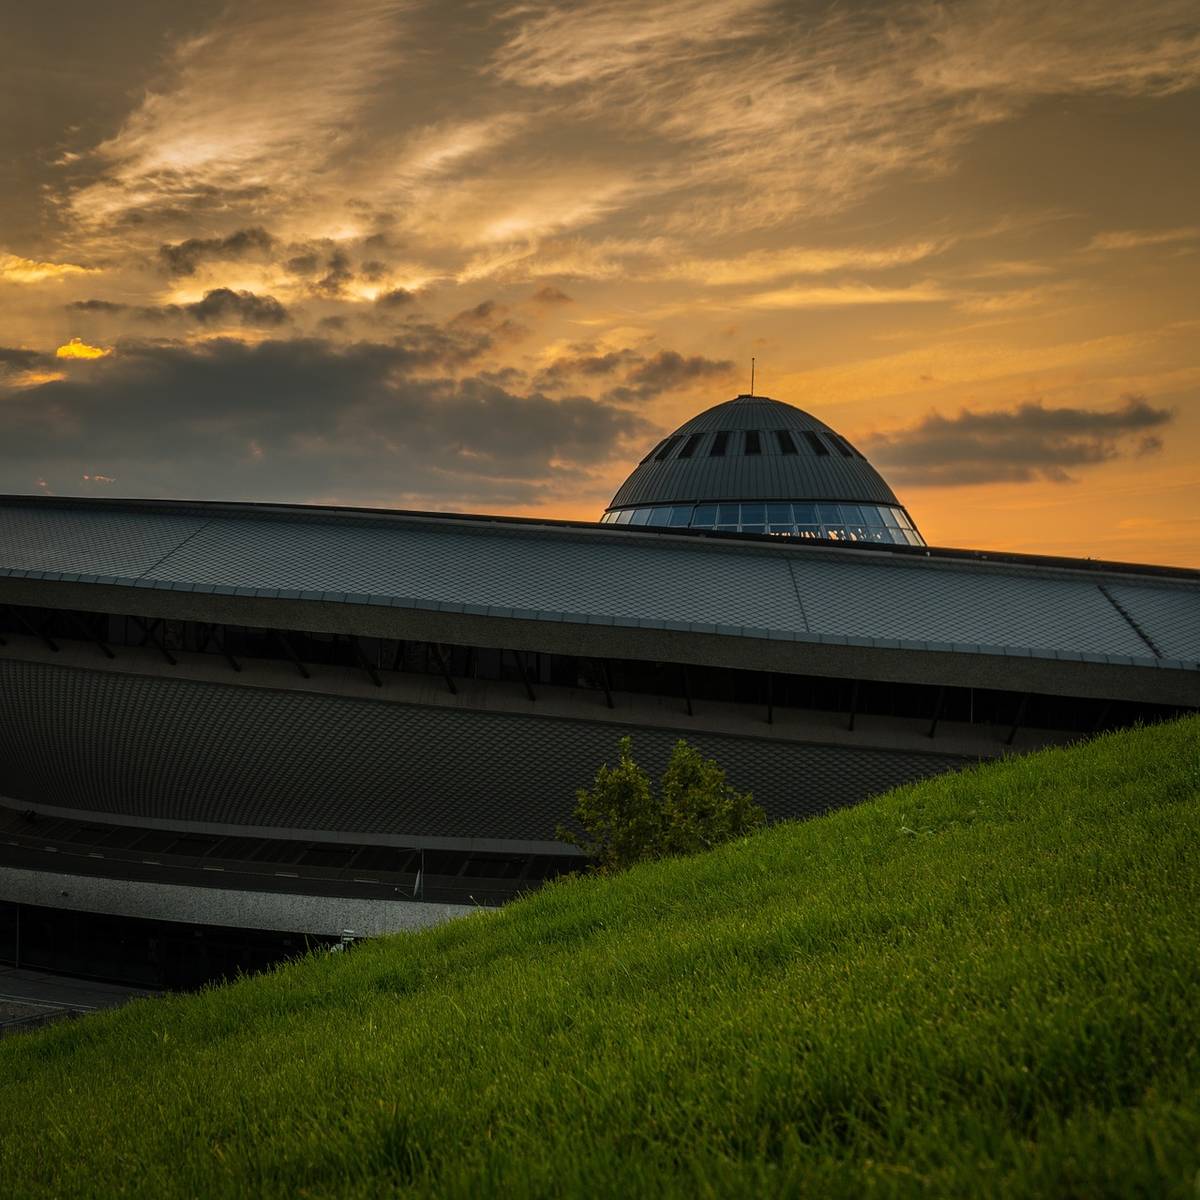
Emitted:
pixel 479 256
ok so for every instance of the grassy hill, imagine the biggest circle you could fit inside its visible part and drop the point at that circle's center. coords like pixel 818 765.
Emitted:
pixel 985 984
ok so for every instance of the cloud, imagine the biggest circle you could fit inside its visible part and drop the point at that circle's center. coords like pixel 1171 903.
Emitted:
pixel 337 274
pixel 13 358
pixel 306 419
pixel 630 375
pixel 218 306
pixel 846 295
pixel 252 108
pixel 97 306
pixel 592 43
pixel 763 112
pixel 183 257
pixel 15 269
pixel 761 266
pixel 77 348
pixel 670 369
pixel 550 295
pixel 396 298
pixel 1015 445
pixel 303 264
pixel 224 305
pixel 1135 239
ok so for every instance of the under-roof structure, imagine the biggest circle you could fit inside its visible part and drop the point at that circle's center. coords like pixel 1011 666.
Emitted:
pixel 242 676
pixel 757 465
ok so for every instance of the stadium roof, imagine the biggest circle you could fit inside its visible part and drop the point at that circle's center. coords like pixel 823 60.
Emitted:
pixel 1057 625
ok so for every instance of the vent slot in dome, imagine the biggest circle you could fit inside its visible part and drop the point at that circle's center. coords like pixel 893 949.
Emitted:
pixel 667 446
pixel 753 442
pixel 718 447
pixel 786 443
pixel 816 443
pixel 689 447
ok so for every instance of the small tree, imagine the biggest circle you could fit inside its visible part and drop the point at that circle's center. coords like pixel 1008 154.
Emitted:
pixel 699 809
pixel 624 823
pixel 618 813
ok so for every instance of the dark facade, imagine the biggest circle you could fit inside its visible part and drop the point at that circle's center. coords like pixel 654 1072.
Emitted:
pixel 445 683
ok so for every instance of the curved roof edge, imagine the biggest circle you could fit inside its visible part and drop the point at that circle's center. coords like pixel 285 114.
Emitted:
pixel 341 512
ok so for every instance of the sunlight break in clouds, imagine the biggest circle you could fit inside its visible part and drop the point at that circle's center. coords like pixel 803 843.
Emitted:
pixel 25 270
pixel 841 297
pixel 77 348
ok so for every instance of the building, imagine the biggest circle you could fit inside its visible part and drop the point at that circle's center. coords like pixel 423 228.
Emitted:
pixel 353 706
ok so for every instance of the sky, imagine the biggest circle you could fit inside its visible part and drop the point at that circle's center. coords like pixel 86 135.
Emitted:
pixel 479 257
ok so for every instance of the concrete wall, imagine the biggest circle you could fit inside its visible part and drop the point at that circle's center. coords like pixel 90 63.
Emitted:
pixel 219 906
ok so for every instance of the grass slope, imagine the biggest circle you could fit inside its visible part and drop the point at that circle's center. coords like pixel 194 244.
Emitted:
pixel 985 984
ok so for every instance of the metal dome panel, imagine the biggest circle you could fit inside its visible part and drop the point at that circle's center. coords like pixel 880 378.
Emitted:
pixel 817 464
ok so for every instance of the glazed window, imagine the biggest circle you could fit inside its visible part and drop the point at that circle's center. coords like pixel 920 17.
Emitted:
pixel 787 444
pixel 816 443
pixel 667 447
pixel 718 446
pixel 753 442
pixel 689 447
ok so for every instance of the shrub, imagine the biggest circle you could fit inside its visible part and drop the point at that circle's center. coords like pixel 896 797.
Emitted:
pixel 624 823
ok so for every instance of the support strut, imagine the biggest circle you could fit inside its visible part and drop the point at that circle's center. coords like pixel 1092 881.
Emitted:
pixel 937 711
pixel 287 649
pixel 1012 733
pixel 524 674
pixel 444 667
pixel 362 660
pixel 149 630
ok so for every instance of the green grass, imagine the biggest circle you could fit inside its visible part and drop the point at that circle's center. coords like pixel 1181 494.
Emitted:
pixel 985 984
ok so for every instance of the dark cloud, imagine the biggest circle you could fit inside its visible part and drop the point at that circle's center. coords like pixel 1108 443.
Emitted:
pixel 97 306
pixel 224 304
pixel 303 264
pixel 562 372
pixel 13 358
pixel 221 305
pixel 484 311
pixel 641 377
pixel 307 419
pixel 182 258
pixel 337 274
pixel 1014 445
pixel 668 369
pixel 396 298
pixel 551 295
pixel 373 270
pixel 492 317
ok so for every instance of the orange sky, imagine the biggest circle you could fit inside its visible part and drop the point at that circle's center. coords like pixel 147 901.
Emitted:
pixel 481 256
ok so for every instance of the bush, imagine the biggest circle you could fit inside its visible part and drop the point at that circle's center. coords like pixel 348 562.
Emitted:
pixel 624 823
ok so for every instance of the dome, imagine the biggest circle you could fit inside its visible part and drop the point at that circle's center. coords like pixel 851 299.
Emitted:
pixel 757 465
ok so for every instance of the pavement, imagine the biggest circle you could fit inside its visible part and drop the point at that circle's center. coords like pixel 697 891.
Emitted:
pixel 29 999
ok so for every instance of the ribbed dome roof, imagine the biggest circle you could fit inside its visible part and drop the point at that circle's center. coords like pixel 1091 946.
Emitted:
pixel 809 461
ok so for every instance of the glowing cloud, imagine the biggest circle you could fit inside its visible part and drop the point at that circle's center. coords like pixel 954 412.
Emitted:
pixel 27 270
pixel 77 348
